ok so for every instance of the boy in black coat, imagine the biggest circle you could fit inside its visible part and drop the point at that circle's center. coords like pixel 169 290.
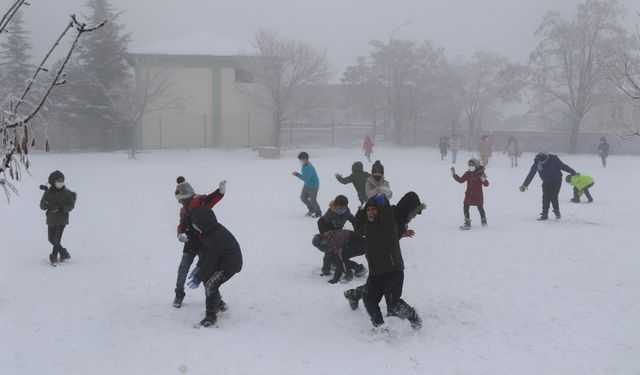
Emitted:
pixel 335 218
pixel 57 201
pixel 219 260
pixel 386 266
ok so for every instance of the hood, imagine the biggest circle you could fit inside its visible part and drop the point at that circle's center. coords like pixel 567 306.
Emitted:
pixel 408 203
pixel 357 167
pixel 204 220
pixel 55 175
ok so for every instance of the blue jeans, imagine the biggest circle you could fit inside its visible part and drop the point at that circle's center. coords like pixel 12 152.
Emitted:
pixel 183 271
pixel 454 155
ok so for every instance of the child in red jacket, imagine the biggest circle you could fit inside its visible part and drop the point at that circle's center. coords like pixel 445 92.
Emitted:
pixel 475 179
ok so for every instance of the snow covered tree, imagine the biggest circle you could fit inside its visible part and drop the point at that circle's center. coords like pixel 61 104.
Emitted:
pixel 103 57
pixel 287 76
pixel 574 58
pixel 15 59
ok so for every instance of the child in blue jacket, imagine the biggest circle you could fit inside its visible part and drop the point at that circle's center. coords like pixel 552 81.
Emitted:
pixel 309 194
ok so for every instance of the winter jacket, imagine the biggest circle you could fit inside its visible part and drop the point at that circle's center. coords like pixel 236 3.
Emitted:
pixel 367 146
pixel 332 220
pixel 581 182
pixel 473 196
pixel 193 245
pixel 374 187
pixel 603 149
pixel 58 203
pixel 513 149
pixel 408 204
pixel 220 250
pixel 309 176
pixel 455 143
pixel 358 178
pixel 485 149
pixel 382 242
pixel 444 145
pixel 340 239
pixel 549 170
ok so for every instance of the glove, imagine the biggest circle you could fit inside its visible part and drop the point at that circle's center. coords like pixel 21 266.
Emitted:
pixel 192 282
pixel 523 188
pixel 338 175
pixel 182 237
pixel 380 199
pixel 223 186
pixel 483 178
pixel 453 171
pixel 43 187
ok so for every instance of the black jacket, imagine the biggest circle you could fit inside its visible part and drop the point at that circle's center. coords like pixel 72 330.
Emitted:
pixel 332 220
pixel 58 203
pixel 220 250
pixel 383 242
pixel 408 203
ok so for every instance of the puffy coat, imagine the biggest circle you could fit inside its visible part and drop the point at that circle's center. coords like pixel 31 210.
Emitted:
pixel 332 220
pixel 581 181
pixel 474 195
pixel 57 202
pixel 550 170
pixel 374 187
pixel 358 178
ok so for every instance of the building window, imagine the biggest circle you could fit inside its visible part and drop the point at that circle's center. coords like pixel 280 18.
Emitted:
pixel 243 76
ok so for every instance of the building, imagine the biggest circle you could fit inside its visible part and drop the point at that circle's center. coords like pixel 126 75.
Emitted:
pixel 206 81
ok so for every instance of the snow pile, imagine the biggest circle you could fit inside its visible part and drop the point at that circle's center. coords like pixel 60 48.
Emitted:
pixel 518 297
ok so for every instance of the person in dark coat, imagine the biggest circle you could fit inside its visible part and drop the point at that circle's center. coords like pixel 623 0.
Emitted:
pixel 549 168
pixel 444 146
pixel 603 150
pixel 335 218
pixel 407 208
pixel 358 178
pixel 341 245
pixel 189 200
pixel 219 260
pixel 57 201
pixel 475 179
pixel 386 266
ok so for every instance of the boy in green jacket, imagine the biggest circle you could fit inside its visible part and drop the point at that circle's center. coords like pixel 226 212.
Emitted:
pixel 581 184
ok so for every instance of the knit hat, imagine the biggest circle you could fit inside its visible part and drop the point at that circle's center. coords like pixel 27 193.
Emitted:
pixel 55 175
pixel 475 162
pixel 377 167
pixel 542 155
pixel 184 189
pixel 341 200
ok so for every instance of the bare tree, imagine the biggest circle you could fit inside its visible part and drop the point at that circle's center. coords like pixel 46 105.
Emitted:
pixel 482 82
pixel 287 76
pixel 14 125
pixel 151 91
pixel 627 78
pixel 571 64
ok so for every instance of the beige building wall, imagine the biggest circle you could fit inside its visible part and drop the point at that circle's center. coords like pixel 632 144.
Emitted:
pixel 189 125
pixel 240 126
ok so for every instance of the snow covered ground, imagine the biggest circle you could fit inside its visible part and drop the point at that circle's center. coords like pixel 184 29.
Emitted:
pixel 518 297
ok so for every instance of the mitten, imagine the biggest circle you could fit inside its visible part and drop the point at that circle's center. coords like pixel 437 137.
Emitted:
pixel 182 237
pixel 223 186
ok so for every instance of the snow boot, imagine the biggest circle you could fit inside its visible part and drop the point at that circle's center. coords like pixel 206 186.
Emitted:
pixel 466 225
pixel 415 321
pixel 316 215
pixel 483 221
pixel 210 319
pixel 222 307
pixel 177 302
pixel 557 213
pixel 575 200
pixel 64 255
pixel 53 258
pixel 351 296
pixel 360 270
pixel 543 217
pixel 348 276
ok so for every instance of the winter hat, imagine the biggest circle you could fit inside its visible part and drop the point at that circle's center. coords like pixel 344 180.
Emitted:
pixel 542 155
pixel 377 167
pixel 410 204
pixel 184 189
pixel 55 175
pixel 474 161
pixel 341 200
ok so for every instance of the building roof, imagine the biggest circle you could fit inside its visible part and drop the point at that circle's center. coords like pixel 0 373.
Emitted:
pixel 197 44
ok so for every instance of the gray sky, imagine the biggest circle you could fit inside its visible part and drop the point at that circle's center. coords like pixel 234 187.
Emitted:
pixel 344 27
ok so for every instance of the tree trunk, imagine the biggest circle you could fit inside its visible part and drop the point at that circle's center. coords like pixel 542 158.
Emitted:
pixel 575 131
pixel 277 129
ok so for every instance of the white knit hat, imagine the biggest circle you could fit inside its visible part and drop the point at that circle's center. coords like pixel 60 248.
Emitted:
pixel 184 189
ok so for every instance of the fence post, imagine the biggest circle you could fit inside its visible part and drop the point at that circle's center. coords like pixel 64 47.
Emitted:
pixel 248 129
pixel 415 135
pixel 204 126
pixel 291 135
pixel 160 129
pixel 333 131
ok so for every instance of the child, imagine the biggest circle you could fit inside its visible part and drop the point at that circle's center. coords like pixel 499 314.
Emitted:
pixel 475 179
pixel 455 144
pixel 335 218
pixel 603 150
pixel 219 260
pixel 581 184
pixel 485 150
pixel 367 147
pixel 513 150
pixel 376 184
pixel 58 201
pixel 358 178
pixel 341 245
pixel 386 267
pixel 189 200
pixel 311 185
pixel 444 147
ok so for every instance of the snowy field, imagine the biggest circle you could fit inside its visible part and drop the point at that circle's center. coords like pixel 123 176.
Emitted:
pixel 518 297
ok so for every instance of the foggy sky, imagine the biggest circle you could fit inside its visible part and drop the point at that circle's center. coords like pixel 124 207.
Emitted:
pixel 344 27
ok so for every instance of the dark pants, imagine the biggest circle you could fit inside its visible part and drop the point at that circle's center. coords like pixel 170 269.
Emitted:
pixel 388 285
pixel 576 193
pixel 550 191
pixel 183 270
pixel 309 198
pixel 55 237
pixel 604 160
pixel 212 290
pixel 465 209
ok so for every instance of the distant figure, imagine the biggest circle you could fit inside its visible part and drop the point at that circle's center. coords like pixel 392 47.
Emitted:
pixel 485 150
pixel 603 150
pixel 549 168
pixel 57 201
pixel 513 150
pixel 309 194
pixel 444 147
pixel 475 179
pixel 367 146
pixel 581 185
pixel 491 138
pixel 455 143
